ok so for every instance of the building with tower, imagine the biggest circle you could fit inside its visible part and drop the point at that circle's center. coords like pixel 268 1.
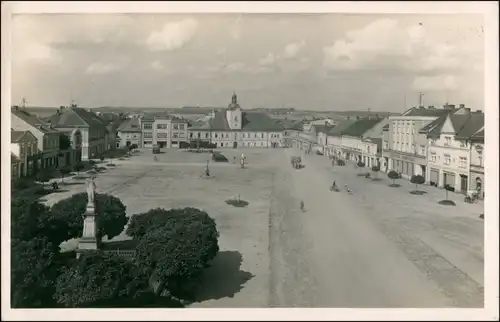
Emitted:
pixel 232 127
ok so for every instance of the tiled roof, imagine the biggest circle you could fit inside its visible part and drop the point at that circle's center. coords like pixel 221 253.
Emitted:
pixel 33 121
pixel 469 127
pixel 479 135
pixel 415 111
pixel 251 121
pixel 322 128
pixel 76 117
pixel 361 126
pixel 21 136
pixel 130 125
pixel 434 126
pixel 341 127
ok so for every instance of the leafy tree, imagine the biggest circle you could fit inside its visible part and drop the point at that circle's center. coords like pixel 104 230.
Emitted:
pixel 97 277
pixel 64 142
pixel 416 180
pixel 376 169
pixel 360 164
pixel 176 252
pixel 110 211
pixel 31 219
pixel 393 175
pixel 64 171
pixel 34 271
pixel 78 167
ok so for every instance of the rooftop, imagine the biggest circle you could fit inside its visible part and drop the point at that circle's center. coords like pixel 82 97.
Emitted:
pixel 130 125
pixel 359 127
pixel 251 121
pixel 33 120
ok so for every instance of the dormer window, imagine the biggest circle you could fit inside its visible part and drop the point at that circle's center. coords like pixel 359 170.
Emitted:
pixel 236 119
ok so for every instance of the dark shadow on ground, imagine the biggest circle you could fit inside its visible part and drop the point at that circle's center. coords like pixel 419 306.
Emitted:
pixel 376 179
pixel 237 203
pixel 394 185
pixel 447 203
pixel 418 192
pixel 223 278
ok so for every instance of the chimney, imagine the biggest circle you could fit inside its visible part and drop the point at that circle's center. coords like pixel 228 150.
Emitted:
pixel 462 105
pixel 421 106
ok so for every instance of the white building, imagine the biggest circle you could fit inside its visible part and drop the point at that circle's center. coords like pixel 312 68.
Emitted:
pixel 23 144
pixel 449 148
pixel 129 132
pixel 476 174
pixel 404 146
pixel 232 128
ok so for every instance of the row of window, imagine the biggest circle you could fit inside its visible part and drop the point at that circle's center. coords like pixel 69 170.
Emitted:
pixel 462 161
pixel 175 126
pixel 226 135
pixel 27 149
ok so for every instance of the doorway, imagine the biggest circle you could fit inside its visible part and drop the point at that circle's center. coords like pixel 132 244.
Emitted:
pixel 463 183
pixel 235 145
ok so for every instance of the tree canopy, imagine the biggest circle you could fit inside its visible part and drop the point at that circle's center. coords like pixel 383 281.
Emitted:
pixel 98 277
pixel 34 270
pixel 111 217
pixel 176 247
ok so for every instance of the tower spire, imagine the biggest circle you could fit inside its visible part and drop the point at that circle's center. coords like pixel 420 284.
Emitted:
pixel 234 100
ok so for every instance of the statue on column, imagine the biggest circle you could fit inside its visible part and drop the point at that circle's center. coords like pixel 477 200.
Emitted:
pixel 91 187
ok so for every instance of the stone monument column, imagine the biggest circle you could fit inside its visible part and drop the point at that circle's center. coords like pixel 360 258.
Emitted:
pixel 89 240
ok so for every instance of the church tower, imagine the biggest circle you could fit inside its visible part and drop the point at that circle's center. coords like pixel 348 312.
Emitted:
pixel 234 114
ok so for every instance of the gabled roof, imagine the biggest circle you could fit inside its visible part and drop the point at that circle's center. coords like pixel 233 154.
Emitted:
pixel 76 117
pixel 465 125
pixel 251 121
pixel 361 126
pixel 130 125
pixel 341 127
pixel 33 120
pixel 21 136
pixel 478 136
pixel 471 126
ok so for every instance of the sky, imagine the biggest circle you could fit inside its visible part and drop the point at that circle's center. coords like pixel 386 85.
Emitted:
pixel 306 61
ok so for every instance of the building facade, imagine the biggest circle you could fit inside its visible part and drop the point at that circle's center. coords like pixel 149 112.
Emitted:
pixel 46 156
pixel 129 132
pixel 476 174
pixel 334 139
pixel 234 128
pixel 78 121
pixel 404 147
pixel 23 145
pixel 147 123
pixel 449 149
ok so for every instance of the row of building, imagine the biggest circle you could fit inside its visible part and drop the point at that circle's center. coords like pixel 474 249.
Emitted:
pixel 230 127
pixel 444 145
pixel 71 135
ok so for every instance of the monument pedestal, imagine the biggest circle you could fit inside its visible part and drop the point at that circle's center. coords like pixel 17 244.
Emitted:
pixel 88 241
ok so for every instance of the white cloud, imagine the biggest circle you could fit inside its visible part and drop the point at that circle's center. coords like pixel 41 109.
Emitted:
pixel 100 68
pixel 292 50
pixel 385 43
pixel 270 59
pixel 173 35
pixel 435 83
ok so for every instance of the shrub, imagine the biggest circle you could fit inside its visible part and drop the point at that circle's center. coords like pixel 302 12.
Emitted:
pixel 416 180
pixel 219 157
pixel 44 176
pixel 175 249
pixel 97 277
pixel 237 203
pixel 22 184
pixel 360 164
pixel 447 203
pixel 393 175
pixel 111 217
pixel 34 270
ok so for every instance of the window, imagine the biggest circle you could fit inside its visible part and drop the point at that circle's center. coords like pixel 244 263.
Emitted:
pixel 181 135
pixel 262 135
pixel 447 159
pixel 162 126
pixel 176 126
pixel 447 140
pixel 181 126
pixel 422 149
pixel 206 135
pixel 433 156
pixel 191 135
pixel 148 134
pixel 147 126
pixel 463 162
pixel 215 135
pixel 227 135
